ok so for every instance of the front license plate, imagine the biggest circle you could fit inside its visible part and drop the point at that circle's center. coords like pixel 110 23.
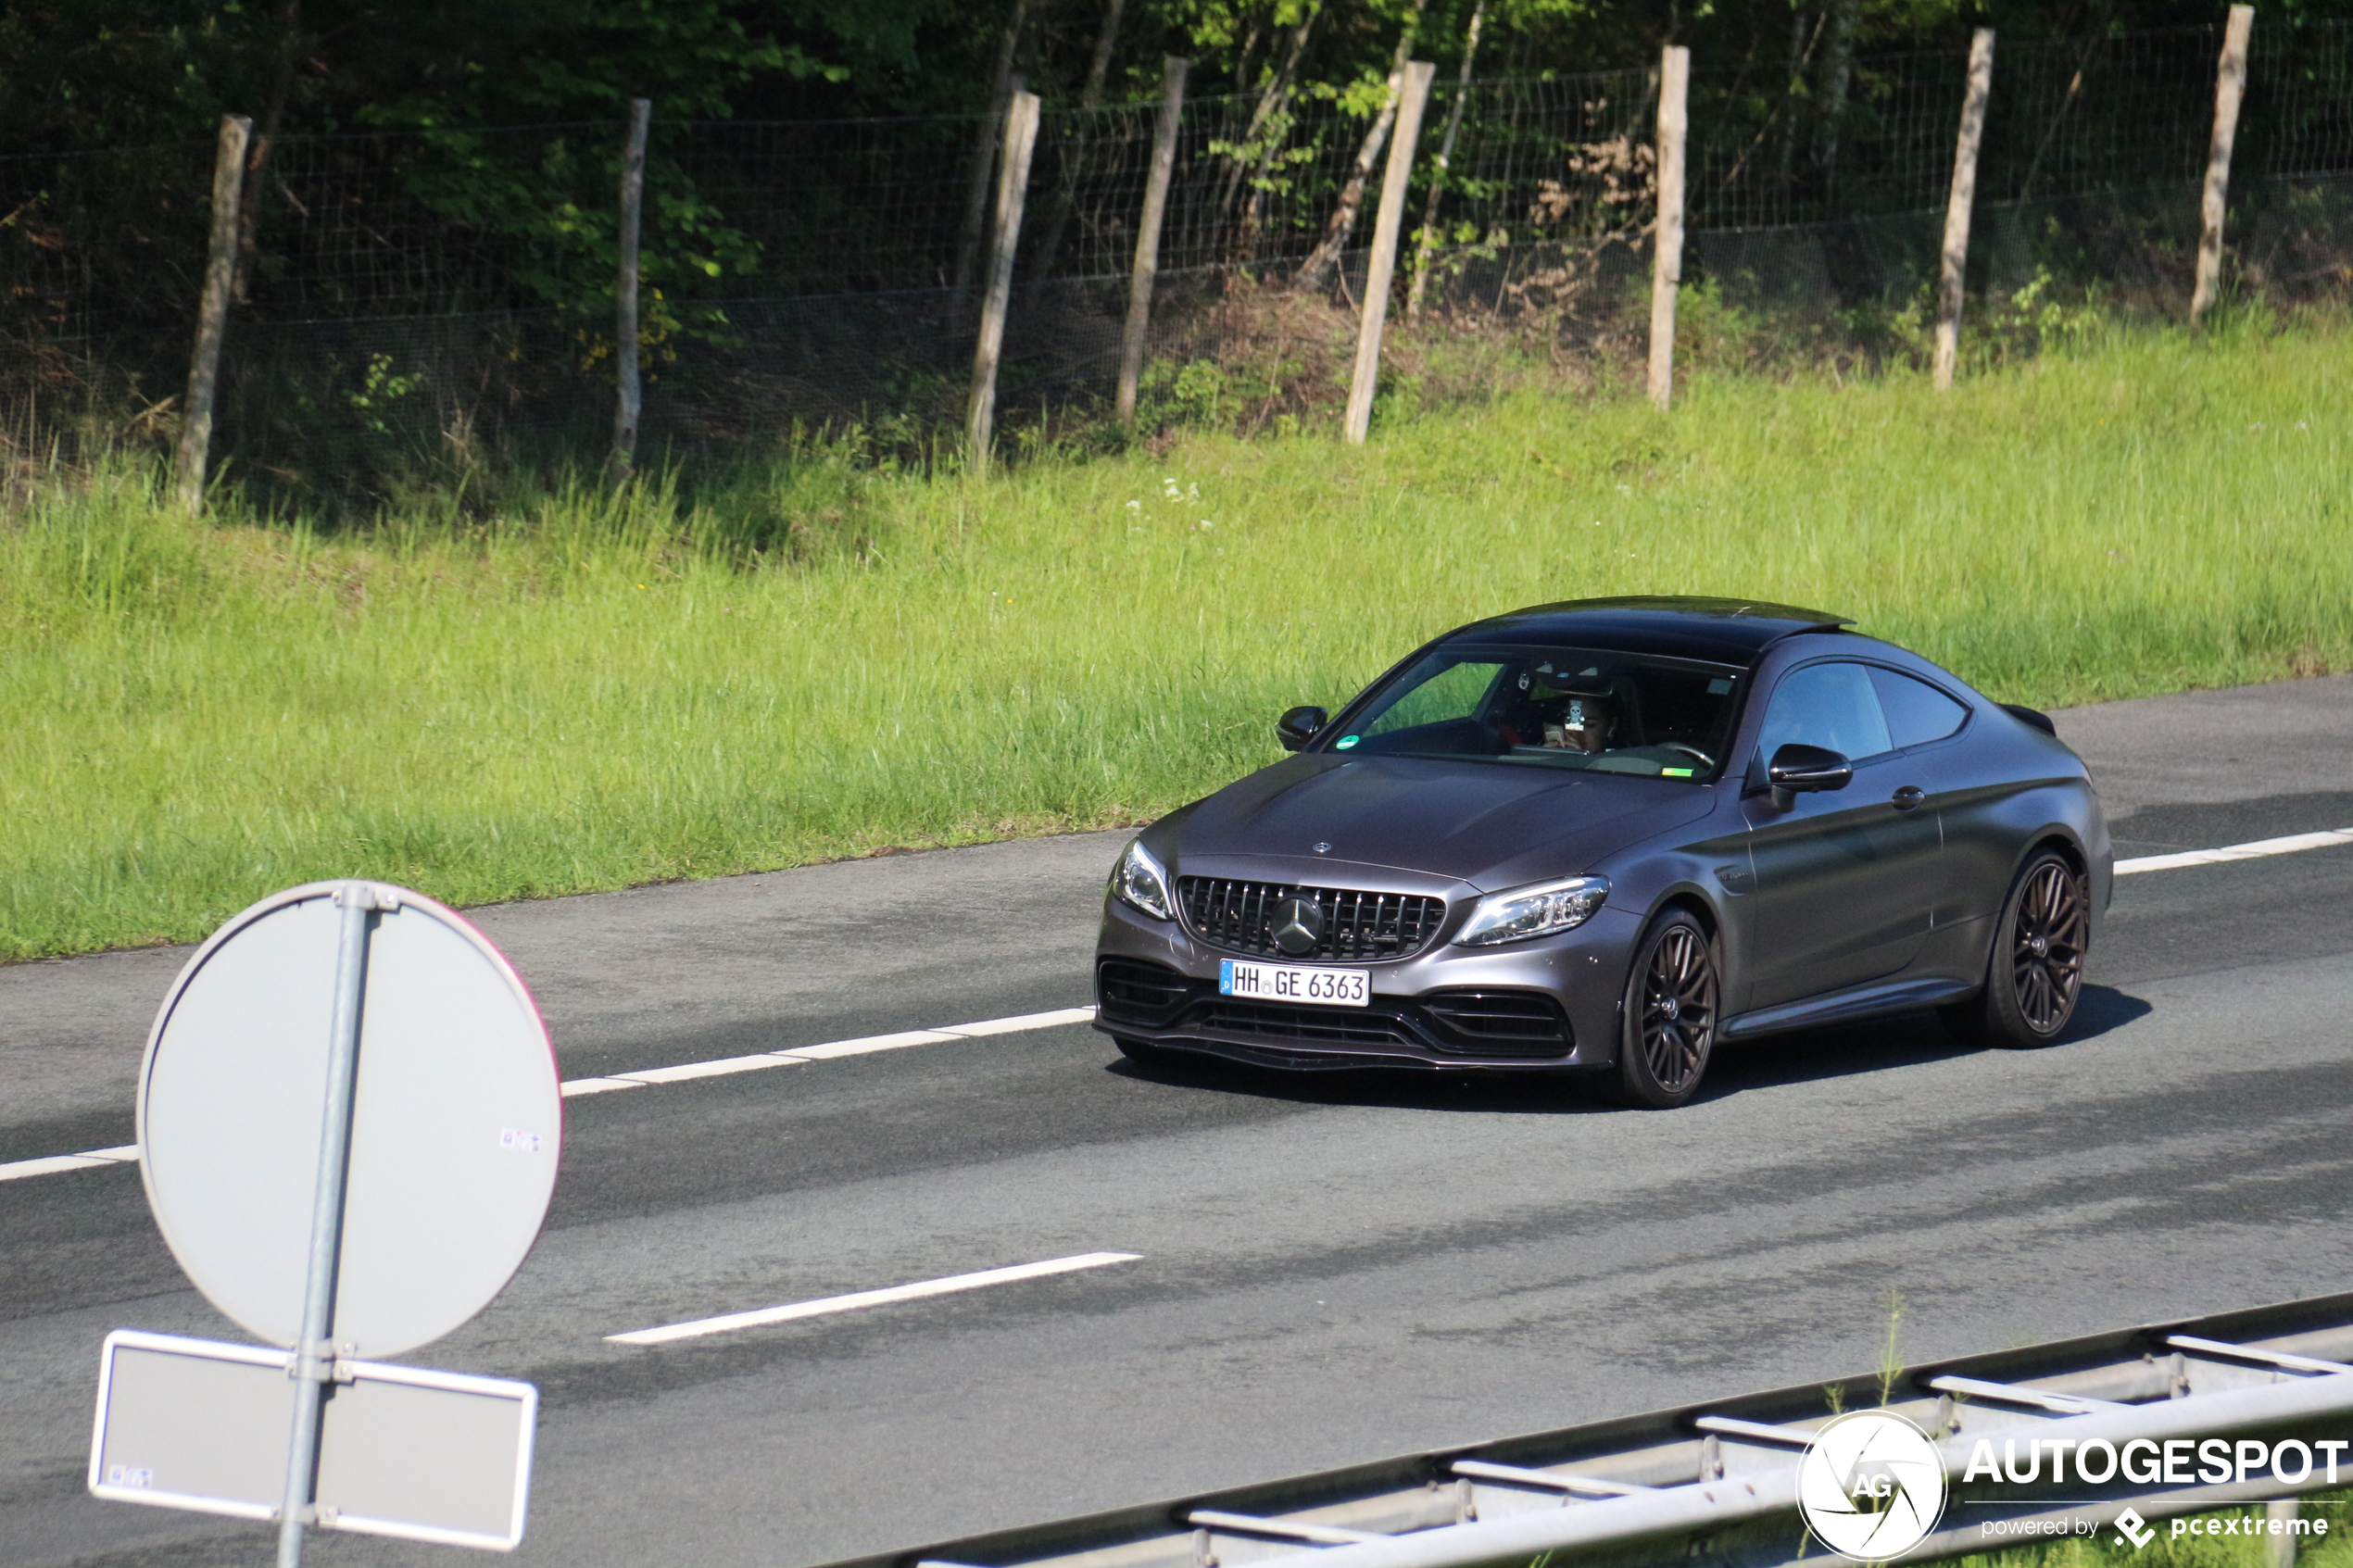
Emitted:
pixel 1294 982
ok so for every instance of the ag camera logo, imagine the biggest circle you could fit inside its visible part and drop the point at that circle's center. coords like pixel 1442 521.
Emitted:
pixel 1871 1486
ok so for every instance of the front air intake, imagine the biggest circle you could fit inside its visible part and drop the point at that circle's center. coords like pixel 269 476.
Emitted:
pixel 1501 1023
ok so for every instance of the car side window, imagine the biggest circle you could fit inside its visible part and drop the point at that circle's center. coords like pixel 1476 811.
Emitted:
pixel 1916 712
pixel 1830 706
pixel 1454 692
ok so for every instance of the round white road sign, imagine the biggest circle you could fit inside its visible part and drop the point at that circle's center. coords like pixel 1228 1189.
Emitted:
pixel 456 1118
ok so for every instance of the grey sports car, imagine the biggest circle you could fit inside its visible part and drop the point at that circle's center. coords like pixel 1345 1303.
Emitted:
pixel 1599 837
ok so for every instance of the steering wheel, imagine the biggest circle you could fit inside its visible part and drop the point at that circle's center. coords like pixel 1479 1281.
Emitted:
pixel 1702 758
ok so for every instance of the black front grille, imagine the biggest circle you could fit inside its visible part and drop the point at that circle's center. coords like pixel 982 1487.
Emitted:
pixel 1501 1023
pixel 1277 1021
pixel 1140 992
pixel 1358 927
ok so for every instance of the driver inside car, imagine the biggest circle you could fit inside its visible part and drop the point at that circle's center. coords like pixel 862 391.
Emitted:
pixel 1586 724
pixel 1560 717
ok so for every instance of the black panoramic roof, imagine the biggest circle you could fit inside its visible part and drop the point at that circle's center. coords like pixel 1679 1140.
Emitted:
pixel 1723 631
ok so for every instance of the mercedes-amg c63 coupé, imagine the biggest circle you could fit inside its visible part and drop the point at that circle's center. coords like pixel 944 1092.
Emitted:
pixel 1603 836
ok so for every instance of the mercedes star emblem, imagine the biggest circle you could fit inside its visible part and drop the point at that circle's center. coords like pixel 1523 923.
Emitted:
pixel 1296 925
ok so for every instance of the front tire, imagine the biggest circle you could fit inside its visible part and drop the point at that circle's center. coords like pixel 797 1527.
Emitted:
pixel 1668 1015
pixel 2034 975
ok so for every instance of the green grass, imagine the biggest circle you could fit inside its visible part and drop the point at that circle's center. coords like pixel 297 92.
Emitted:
pixel 2334 1549
pixel 827 658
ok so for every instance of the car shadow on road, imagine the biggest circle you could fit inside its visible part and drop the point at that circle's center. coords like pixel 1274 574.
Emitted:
pixel 1904 1040
pixel 1802 1056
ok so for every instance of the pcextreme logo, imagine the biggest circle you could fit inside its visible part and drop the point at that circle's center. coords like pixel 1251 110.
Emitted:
pixel 1871 1486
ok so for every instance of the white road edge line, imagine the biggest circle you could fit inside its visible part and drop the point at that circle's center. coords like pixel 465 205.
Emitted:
pixel 863 1299
pixel 646 1077
pixel 2254 851
pixel 51 1164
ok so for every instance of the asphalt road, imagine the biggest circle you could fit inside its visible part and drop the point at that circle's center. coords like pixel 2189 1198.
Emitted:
pixel 1331 1270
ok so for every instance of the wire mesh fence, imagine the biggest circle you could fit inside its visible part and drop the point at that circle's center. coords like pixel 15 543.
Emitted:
pixel 422 298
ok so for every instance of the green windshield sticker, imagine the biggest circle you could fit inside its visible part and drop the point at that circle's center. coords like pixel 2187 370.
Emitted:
pixel 1344 743
pixel 1676 773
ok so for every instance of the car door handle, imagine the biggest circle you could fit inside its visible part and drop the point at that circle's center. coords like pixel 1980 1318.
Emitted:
pixel 1907 797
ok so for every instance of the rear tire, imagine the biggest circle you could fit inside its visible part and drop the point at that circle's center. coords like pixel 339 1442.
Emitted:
pixel 2034 973
pixel 1668 1014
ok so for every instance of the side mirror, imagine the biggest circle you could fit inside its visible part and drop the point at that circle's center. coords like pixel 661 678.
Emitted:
pixel 1298 725
pixel 1796 770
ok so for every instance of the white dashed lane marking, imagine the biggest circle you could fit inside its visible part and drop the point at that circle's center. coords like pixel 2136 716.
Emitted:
pixel 762 1316
pixel 2254 851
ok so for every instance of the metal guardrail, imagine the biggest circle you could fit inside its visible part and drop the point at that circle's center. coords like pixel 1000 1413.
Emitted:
pixel 1718 1481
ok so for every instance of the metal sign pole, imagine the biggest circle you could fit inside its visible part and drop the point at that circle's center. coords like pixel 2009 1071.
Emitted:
pixel 335 1225
pixel 314 1353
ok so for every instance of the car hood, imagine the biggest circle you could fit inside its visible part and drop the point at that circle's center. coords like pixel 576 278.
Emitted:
pixel 1489 825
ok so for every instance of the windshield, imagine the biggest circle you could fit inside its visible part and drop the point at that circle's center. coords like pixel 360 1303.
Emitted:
pixel 1554 708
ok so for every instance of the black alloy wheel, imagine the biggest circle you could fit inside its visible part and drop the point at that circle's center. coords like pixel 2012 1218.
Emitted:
pixel 1670 1014
pixel 2034 975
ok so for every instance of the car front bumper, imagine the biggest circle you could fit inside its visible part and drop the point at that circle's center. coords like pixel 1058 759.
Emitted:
pixel 1446 1008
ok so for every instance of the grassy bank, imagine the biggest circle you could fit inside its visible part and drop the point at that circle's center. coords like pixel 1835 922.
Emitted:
pixel 2334 1549
pixel 828 657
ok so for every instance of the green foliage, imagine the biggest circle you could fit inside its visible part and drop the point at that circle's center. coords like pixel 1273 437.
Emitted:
pixel 1891 1359
pixel 824 652
pixel 2103 1549
pixel 118 72
pixel 516 109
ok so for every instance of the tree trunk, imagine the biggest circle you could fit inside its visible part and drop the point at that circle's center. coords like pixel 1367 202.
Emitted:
pixel 983 163
pixel 258 157
pixel 1318 268
pixel 1796 75
pixel 1838 75
pixel 1241 62
pixel 1277 99
pixel 1427 239
pixel 1072 158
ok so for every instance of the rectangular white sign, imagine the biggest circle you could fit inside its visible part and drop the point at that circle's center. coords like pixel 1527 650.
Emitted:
pixel 429 1456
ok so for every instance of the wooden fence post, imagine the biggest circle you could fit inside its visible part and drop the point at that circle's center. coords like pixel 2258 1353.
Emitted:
pixel 212 315
pixel 1139 285
pixel 630 401
pixel 2230 82
pixel 1380 268
pixel 1013 185
pixel 1666 242
pixel 1954 270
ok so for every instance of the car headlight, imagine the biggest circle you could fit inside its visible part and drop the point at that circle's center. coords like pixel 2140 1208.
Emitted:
pixel 1523 912
pixel 1139 880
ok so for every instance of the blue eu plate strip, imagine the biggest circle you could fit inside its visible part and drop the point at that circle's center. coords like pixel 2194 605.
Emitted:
pixel 1225 977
